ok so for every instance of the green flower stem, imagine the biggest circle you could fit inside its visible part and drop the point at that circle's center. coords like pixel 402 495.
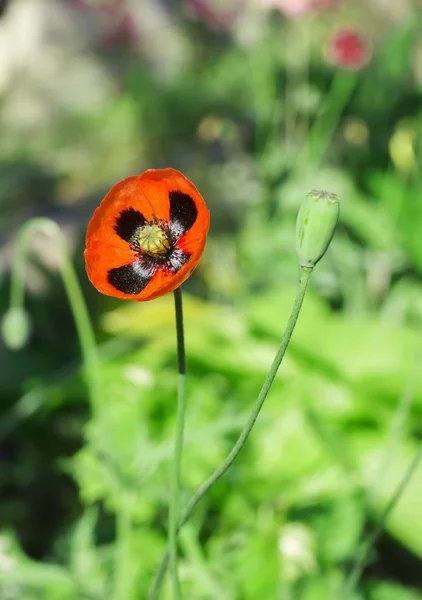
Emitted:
pixel 76 300
pixel 362 557
pixel 331 111
pixel 178 444
pixel 253 415
pixel 297 47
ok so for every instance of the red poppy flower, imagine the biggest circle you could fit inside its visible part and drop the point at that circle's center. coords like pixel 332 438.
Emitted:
pixel 147 235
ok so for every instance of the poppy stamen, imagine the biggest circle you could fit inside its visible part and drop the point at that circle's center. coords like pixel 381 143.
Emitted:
pixel 153 240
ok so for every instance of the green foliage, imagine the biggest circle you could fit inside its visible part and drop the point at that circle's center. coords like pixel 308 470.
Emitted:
pixel 343 419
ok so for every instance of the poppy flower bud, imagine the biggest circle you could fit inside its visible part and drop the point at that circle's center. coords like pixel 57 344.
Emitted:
pixel 315 225
pixel 15 328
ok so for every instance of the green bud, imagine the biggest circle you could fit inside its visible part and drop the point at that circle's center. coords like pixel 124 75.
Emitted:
pixel 15 328
pixel 315 225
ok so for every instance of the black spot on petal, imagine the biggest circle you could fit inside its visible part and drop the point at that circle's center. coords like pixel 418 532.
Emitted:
pixel 128 223
pixel 131 279
pixel 183 212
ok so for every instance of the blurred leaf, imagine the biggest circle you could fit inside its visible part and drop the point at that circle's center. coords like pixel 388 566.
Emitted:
pixel 391 591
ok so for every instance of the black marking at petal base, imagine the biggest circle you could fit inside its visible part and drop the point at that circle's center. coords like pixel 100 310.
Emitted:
pixel 128 223
pixel 183 212
pixel 131 279
pixel 177 259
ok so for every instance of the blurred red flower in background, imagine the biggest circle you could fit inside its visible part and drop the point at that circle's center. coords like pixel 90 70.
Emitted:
pixel 349 49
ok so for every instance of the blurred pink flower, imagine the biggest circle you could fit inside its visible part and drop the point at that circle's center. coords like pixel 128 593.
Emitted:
pixel 295 8
pixel 348 49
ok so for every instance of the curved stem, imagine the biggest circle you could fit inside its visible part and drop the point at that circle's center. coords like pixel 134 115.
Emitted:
pixel 253 415
pixel 178 444
pixel 76 300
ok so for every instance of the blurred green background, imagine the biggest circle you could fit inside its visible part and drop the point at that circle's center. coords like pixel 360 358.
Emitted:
pixel 257 102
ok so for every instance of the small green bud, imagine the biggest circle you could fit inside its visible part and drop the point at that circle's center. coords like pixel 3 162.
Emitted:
pixel 15 328
pixel 315 225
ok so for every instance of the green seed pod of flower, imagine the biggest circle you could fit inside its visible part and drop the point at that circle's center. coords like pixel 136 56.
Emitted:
pixel 315 225
pixel 15 328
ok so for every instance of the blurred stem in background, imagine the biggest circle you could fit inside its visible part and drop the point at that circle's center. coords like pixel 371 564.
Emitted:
pixel 123 576
pixel 397 425
pixel 363 553
pixel 342 88
pixel 76 300
pixel 297 59
pixel 178 443
pixel 305 274
pixel 262 71
pixel 365 546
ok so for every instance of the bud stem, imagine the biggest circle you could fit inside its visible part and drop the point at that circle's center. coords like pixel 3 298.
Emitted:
pixel 304 276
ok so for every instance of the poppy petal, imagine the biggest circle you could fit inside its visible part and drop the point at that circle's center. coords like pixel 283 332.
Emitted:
pixel 183 212
pixel 130 279
pixel 128 222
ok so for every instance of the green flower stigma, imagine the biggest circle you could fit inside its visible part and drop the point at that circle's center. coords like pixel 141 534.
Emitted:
pixel 153 240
